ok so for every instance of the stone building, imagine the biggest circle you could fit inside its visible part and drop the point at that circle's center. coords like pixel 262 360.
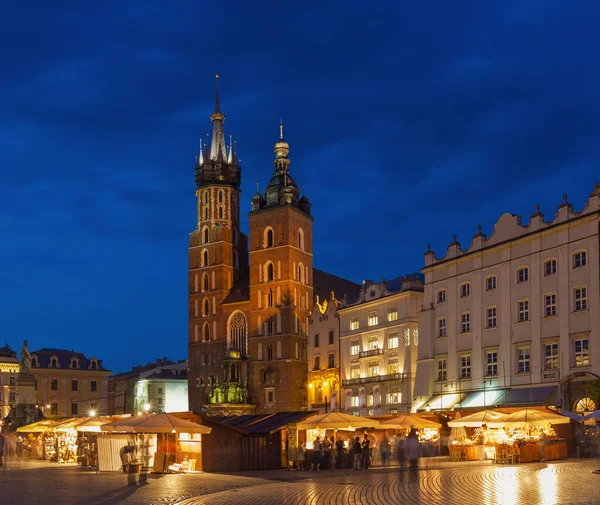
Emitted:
pixel 68 384
pixel 248 320
pixel 10 366
pixel 514 319
pixel 379 339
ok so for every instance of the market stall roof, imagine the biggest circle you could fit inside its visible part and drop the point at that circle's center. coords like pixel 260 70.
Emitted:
pixel 482 399
pixel 336 421
pixel 39 427
pixel 264 424
pixel 155 423
pixel 409 421
pixel 442 402
pixel 90 424
pixel 529 396
pixel 529 417
pixel 477 419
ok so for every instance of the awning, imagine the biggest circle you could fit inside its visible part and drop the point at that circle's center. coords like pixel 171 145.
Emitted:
pixel 483 399
pixel 531 396
pixel 441 402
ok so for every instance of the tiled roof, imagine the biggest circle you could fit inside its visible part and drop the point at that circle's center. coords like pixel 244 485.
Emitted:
pixel 263 424
pixel 324 283
pixel 64 356
pixel 7 352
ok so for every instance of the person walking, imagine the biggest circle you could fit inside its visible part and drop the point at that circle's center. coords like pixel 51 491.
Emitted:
pixel 543 442
pixel 332 453
pixel 412 450
pixel 1 447
pixel 301 457
pixel 316 455
pixel 339 449
pixel 366 452
pixel 384 450
pixel 357 451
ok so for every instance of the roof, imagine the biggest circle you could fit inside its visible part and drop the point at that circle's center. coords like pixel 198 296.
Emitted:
pixel 7 352
pixel 403 281
pixel 324 283
pixel 263 424
pixel 64 356
pixel 529 396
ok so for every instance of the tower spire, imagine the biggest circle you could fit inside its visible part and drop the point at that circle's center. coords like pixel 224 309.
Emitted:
pixel 281 128
pixel 217 102
pixel 217 146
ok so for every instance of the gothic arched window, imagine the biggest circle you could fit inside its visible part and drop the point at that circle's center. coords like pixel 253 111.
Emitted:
pixel 237 333
pixel 206 307
pixel 270 326
pixel 205 259
pixel 269 238
pixel 205 282
pixel 206 332
pixel 270 272
pixel 270 298
pixel 221 196
pixel 205 241
pixel 301 238
pixel 221 212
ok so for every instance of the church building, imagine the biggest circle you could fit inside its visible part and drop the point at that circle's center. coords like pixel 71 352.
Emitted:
pixel 250 298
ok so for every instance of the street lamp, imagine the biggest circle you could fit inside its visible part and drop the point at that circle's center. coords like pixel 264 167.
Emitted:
pixel 146 407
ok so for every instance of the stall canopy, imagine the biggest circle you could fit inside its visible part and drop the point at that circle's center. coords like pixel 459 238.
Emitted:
pixel 409 421
pixel 155 423
pixel 442 402
pixel 39 427
pixel 336 421
pixel 89 424
pixel 482 399
pixel 477 420
pixel 529 417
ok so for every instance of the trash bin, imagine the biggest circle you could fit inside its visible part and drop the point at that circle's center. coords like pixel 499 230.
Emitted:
pixel 135 467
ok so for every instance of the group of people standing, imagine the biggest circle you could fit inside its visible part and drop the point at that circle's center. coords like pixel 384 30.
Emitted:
pixel 358 456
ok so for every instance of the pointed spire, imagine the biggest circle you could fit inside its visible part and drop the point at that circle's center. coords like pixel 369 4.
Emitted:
pixel 217 102
pixel 217 146
pixel 281 128
pixel 201 155
pixel 230 154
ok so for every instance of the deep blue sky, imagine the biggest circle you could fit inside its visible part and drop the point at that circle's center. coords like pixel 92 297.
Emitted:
pixel 408 122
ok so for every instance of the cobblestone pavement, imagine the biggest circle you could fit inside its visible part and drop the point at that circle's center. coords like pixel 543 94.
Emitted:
pixel 561 483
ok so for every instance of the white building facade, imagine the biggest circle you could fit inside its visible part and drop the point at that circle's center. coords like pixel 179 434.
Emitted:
pixel 514 320
pixel 379 339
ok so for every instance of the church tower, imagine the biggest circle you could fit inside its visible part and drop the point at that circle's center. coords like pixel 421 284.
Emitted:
pixel 281 289
pixel 217 255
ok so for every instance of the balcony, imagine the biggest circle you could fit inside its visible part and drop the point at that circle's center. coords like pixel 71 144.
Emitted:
pixel 377 378
pixel 370 353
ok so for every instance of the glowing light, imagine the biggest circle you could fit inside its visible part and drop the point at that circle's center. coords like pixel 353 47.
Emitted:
pixel 326 384
pixel 92 413
pixel 48 406
pixel 310 385
pixel 427 407
pixel 146 407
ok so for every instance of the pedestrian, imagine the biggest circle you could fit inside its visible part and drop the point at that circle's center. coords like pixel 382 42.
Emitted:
pixel 316 455
pixel 357 451
pixel 1 447
pixel 332 453
pixel 301 457
pixel 384 450
pixel 339 448
pixel 412 450
pixel 366 452
pixel 543 442
pixel 400 452
pixel 20 447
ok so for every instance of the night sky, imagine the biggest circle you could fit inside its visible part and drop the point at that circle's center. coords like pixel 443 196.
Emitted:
pixel 407 122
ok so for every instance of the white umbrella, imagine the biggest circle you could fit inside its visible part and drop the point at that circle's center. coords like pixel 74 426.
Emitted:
pixel 529 417
pixel 409 421
pixel 155 423
pixel 477 419
pixel 457 432
pixel 336 421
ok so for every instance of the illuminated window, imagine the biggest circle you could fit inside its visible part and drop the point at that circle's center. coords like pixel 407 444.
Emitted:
pixel 585 405
pixel 490 314
pixel 393 340
pixel 579 259
pixel 522 275
pixel 394 396
pixel 465 289
pixel 370 400
pixel 392 315
pixel 491 363
pixel 465 366
pixel 354 348
pixel 441 296
pixel 523 309
pixel 550 305
pixel 393 366
pixel 373 369
pixel 354 324
pixel 465 322
pixel 551 356
pixel 355 371
pixel 354 402
pixel 442 374
pixel 441 327
pixel 549 268
pixel 373 343
pixel 373 318
pixel 491 283
pixel 581 352
pixel 580 299
pixel 523 360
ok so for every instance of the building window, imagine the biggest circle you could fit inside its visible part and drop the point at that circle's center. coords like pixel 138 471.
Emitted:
pixel 206 307
pixel 354 325
pixel 490 315
pixel 523 309
pixel 270 396
pixel 491 366
pixel 74 385
pixel 270 356
pixel 206 332
pixel 392 315
pixel 12 397
pixel 550 305
pixel 354 348
pixel 205 259
pixel 205 241
pixel 54 385
pixel 205 282
pixel 74 363
pixel 12 381
pixel 491 283
pixel 551 356
pixel 394 396
pixel 53 363
pixel 441 327
pixel 441 296
pixel 549 268
pixel 331 335
pixel 54 409
pixel 441 370
pixel 34 362
pixel 393 341
pixel 93 386
pixel 331 363
pixel 370 400
pixel 465 322
pixel 465 289
pixel 393 366
pixel 354 402
pixel 316 340
pixel 523 356
pixel 160 391
pixel 269 238
pixel 581 352
pixel 580 299
pixel 373 318
pixel 355 371
pixel 74 408
pixel 373 343
pixel 270 326
pixel 579 259
pixel 270 272
pixel 373 369
pixel 465 366
pixel 522 275
pixel 317 362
